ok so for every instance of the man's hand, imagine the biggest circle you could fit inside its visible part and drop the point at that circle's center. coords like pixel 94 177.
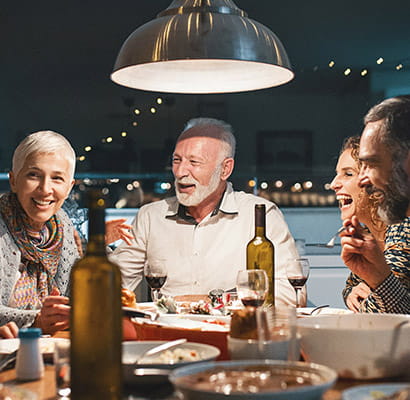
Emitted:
pixel 54 315
pixel 362 255
pixel 357 295
pixel 117 229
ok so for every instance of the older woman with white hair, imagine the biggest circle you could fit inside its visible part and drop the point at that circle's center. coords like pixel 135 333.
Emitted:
pixel 37 243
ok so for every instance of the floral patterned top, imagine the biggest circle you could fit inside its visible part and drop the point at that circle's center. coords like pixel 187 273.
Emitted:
pixel 393 295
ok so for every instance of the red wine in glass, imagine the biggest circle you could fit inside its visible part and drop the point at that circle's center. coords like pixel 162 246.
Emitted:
pixel 155 282
pixel 156 275
pixel 297 271
pixel 297 281
pixel 252 301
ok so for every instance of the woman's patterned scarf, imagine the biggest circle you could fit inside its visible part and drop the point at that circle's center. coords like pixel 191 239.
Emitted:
pixel 40 253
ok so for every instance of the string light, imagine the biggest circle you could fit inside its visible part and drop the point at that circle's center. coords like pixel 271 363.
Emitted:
pixel 264 185
pixel 87 148
pixel 399 67
pixel 331 64
pixel 81 158
pixel 137 111
pixel 379 60
pixel 363 72
pixel 159 100
pixel 347 71
pixel 124 134
pixel 109 139
pixel 134 123
pixel 153 110
pixel 251 183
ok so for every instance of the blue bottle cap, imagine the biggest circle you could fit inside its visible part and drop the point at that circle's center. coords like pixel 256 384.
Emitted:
pixel 29 333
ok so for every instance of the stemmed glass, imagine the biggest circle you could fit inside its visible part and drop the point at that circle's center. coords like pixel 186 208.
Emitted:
pixel 297 271
pixel 155 274
pixel 252 287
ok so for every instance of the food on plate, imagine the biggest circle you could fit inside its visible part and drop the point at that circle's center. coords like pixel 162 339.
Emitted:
pixel 250 379
pixel 243 324
pixel 167 305
pixel 402 394
pixel 201 307
pixel 173 356
pixel 128 298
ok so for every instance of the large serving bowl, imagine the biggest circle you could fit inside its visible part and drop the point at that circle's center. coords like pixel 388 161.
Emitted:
pixel 359 346
pixel 253 379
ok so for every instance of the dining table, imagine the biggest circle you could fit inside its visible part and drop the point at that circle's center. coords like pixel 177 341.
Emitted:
pixel 45 388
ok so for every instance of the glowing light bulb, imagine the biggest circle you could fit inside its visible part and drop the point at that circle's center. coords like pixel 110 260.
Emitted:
pixel 87 148
pixel 153 110
pixel 137 111
pixel 364 72
pixel 109 139
pixel 251 183
pixel 379 60
pixel 331 64
pixel 124 134
pixel 347 71
pixel 159 100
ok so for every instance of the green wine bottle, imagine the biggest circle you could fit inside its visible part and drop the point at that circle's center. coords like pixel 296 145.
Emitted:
pixel 260 252
pixel 96 315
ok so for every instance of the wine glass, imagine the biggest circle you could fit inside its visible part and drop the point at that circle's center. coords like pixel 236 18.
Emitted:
pixel 297 271
pixel 155 274
pixel 252 287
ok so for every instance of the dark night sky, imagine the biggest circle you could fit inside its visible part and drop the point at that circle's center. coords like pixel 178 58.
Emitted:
pixel 57 58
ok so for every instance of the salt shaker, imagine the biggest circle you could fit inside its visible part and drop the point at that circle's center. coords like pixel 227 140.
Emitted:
pixel 29 363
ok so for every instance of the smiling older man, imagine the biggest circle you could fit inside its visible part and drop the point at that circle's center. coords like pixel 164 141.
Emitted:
pixel 385 156
pixel 201 234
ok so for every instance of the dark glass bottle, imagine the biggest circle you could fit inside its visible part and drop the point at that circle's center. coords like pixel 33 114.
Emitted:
pixel 96 315
pixel 260 252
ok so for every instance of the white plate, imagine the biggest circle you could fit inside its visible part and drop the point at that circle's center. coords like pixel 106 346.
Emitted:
pixel 372 392
pixel 209 323
pixel 322 311
pixel 46 345
pixel 152 374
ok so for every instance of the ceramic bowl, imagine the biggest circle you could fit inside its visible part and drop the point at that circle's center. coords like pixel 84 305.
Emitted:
pixel 359 346
pixel 253 379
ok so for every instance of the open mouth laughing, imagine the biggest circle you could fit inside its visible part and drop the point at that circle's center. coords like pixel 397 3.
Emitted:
pixel 344 200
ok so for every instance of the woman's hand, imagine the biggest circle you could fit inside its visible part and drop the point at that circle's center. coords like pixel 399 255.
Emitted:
pixel 357 295
pixel 54 315
pixel 9 331
pixel 117 229
pixel 361 253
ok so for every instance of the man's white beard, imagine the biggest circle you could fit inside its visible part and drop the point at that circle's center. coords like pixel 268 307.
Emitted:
pixel 201 192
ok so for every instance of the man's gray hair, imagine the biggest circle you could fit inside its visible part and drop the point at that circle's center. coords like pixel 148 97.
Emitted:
pixel 395 132
pixel 224 132
pixel 43 142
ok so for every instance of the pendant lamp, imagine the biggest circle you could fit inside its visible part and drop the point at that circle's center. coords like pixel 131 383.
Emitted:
pixel 202 46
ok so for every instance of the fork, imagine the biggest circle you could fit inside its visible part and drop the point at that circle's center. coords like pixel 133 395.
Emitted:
pixel 331 242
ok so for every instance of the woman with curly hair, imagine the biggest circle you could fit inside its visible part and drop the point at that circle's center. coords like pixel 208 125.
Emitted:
pixel 355 200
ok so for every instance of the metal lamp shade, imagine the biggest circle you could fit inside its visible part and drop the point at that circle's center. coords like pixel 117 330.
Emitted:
pixel 202 47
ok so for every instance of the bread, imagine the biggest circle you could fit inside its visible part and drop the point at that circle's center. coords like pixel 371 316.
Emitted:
pixel 128 298
pixel 243 324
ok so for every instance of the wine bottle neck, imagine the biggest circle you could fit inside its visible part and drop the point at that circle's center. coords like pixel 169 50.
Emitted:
pixel 96 231
pixel 260 221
